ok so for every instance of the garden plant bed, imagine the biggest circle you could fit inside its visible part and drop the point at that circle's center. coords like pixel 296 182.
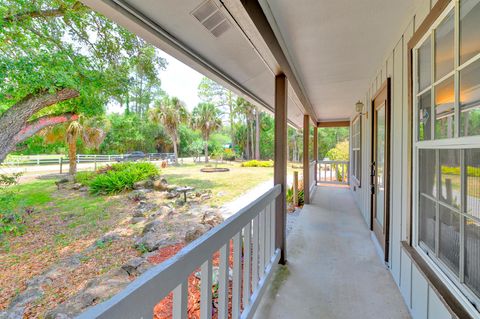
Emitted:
pixel 74 241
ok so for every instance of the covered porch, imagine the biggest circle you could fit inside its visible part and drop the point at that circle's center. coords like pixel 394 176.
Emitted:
pixel 334 270
pixel 308 63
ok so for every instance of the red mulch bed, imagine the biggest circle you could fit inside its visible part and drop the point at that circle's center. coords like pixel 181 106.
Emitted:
pixel 163 310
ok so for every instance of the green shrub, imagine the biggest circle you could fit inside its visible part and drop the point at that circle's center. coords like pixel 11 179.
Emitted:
pixel 471 171
pixel 85 178
pixel 255 163
pixel 121 177
pixel 11 221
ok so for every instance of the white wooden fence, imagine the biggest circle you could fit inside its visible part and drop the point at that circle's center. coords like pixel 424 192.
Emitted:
pixel 335 172
pixel 81 158
pixel 252 231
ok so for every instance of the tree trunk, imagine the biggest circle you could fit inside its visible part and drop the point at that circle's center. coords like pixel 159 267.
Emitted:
pixel 72 155
pixel 175 151
pixel 247 143
pixel 14 126
pixel 252 139
pixel 206 150
pixel 257 134
pixel 232 126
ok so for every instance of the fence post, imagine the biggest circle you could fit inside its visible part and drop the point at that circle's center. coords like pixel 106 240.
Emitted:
pixel 61 164
pixel 95 162
pixel 38 159
pixel 295 188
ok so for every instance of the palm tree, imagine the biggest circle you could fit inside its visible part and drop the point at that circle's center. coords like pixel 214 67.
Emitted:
pixel 92 132
pixel 206 118
pixel 170 112
pixel 247 109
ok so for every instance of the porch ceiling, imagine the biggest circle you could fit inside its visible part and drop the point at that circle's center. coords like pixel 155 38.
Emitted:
pixel 332 47
pixel 229 59
pixel 336 46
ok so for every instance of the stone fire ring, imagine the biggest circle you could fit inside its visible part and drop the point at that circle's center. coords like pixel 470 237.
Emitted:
pixel 214 169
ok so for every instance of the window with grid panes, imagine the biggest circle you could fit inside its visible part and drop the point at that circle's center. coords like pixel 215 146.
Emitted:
pixel 356 145
pixel 446 158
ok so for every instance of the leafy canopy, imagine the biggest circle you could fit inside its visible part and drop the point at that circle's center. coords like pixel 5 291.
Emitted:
pixel 46 45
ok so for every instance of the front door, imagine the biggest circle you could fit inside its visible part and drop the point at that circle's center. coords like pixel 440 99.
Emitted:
pixel 380 166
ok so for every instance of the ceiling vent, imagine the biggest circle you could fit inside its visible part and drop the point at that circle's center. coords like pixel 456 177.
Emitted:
pixel 210 16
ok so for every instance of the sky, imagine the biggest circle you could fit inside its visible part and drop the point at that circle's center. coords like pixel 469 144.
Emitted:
pixel 180 80
pixel 177 80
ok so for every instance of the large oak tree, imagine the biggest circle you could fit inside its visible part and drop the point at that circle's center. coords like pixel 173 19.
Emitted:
pixel 59 59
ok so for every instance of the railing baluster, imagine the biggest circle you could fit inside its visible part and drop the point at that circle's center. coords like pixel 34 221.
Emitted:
pixel 180 301
pixel 206 290
pixel 223 281
pixel 256 223
pixel 261 239
pixel 255 253
pixel 237 275
pixel 272 225
pixel 247 249
pixel 267 233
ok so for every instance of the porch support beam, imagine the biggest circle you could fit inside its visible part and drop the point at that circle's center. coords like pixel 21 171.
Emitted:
pixel 306 159
pixel 333 124
pixel 280 166
pixel 256 13
pixel 315 152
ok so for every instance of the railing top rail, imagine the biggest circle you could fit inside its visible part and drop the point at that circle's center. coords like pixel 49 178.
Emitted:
pixel 156 283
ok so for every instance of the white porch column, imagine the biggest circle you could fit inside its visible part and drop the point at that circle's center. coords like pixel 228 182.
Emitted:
pixel 306 160
pixel 280 168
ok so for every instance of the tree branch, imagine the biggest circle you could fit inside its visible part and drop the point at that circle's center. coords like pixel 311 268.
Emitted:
pixel 34 126
pixel 13 120
pixel 50 13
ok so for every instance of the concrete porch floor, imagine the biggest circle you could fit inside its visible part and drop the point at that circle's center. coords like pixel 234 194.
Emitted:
pixel 333 270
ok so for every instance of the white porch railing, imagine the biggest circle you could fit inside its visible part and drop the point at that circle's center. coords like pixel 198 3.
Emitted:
pixel 252 230
pixel 333 172
pixel 311 175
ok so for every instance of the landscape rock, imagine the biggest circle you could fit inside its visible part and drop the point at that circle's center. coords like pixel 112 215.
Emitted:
pixel 162 211
pixel 138 213
pixel 97 290
pixel 83 189
pixel 153 241
pixel 172 194
pixel 136 266
pixel 144 207
pixel 77 186
pixel 146 184
pixel 136 220
pixel 152 227
pixel 28 296
pixel 138 195
pixel 205 196
pixel 110 236
pixel 212 218
pixel 160 185
pixel 195 232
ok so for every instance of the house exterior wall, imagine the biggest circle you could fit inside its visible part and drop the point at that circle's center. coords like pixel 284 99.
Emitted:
pixel 421 298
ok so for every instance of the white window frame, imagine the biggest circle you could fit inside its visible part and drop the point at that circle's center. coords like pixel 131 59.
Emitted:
pixel 357 139
pixel 467 297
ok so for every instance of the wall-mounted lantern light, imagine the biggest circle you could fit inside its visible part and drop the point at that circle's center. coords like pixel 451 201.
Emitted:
pixel 359 108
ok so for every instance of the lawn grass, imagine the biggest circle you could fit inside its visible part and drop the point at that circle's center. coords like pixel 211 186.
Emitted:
pixel 63 222
pixel 225 186
pixel 36 193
